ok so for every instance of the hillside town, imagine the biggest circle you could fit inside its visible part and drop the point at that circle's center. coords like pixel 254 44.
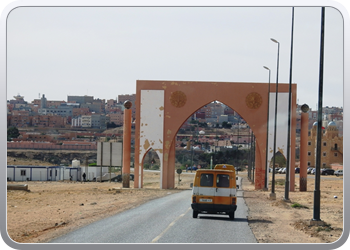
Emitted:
pixel 81 121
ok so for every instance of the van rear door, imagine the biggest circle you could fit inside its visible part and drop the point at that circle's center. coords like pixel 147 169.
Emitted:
pixel 206 190
pixel 224 189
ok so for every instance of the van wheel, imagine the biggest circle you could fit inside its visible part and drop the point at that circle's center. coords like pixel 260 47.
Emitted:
pixel 194 214
pixel 232 215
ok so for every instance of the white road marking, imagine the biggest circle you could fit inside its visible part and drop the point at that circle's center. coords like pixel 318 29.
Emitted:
pixel 168 227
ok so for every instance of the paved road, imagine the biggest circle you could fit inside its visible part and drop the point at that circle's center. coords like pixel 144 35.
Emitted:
pixel 166 220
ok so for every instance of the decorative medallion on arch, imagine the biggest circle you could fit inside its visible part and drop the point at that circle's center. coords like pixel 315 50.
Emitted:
pixel 253 100
pixel 178 99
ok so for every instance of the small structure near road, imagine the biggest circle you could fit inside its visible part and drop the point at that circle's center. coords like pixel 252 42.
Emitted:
pixel 17 187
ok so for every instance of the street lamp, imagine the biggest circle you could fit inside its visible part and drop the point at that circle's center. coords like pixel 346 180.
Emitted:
pixel 316 220
pixel 267 130
pixel 273 195
pixel 286 188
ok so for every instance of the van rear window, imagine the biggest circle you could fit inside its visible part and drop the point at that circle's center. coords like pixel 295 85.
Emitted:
pixel 207 180
pixel 222 180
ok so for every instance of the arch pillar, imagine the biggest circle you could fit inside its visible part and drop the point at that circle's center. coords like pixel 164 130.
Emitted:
pixel 303 151
pixel 169 179
pixel 259 177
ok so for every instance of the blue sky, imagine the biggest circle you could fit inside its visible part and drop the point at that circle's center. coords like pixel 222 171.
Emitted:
pixel 102 51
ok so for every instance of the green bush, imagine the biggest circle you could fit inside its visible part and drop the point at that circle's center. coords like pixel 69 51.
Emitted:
pixel 297 205
pixel 155 167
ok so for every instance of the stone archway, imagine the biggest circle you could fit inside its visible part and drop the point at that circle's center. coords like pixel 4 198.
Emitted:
pixel 163 106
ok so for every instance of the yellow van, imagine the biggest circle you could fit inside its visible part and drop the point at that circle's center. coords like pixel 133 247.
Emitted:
pixel 214 191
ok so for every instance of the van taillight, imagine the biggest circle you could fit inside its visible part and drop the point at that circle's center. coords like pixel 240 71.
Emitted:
pixel 193 199
pixel 234 201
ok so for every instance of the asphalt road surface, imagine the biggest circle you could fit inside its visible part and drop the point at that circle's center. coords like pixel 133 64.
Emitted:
pixel 166 220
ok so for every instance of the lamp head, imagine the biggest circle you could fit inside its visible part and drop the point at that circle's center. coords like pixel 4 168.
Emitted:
pixel 305 108
pixel 127 104
pixel 274 40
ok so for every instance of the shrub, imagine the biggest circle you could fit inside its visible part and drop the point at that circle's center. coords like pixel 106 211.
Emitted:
pixel 297 205
pixel 155 167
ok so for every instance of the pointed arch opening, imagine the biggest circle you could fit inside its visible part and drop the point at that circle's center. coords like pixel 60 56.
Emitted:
pixel 151 162
pixel 280 162
pixel 214 133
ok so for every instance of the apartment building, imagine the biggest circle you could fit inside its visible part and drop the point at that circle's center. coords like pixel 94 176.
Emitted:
pixel 80 111
pixel 20 119
pixel 80 99
pixel 49 121
pixel 76 122
pixel 110 104
pixel 93 121
pixel 132 98
pixel 44 103
pixel 63 110
pixel 117 118
pixel 93 107
pixel 86 121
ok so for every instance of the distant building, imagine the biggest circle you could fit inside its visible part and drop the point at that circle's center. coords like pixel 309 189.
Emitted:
pixel 20 119
pixel 331 146
pixel 44 103
pixel 49 120
pixel 132 99
pixel 80 111
pixel 76 122
pixel 18 99
pixel 93 107
pixel 222 118
pixel 62 110
pixel 81 99
pixel 117 118
pixel 93 121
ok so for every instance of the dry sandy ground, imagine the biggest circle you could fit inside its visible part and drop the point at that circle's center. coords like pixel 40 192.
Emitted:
pixel 51 209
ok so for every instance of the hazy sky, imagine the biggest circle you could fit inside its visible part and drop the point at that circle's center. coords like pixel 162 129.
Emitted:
pixel 102 51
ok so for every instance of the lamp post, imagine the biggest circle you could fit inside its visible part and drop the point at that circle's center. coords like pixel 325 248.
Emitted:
pixel 267 129
pixel 286 188
pixel 316 220
pixel 273 194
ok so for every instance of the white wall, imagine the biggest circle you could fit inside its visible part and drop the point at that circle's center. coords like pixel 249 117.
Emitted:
pixel 282 124
pixel 151 125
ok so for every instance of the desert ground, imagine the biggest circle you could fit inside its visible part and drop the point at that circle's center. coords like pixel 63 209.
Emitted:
pixel 50 209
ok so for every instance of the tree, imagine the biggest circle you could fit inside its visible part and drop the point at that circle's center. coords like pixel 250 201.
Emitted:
pixel 12 132
pixel 111 125
pixel 280 160
pixel 226 125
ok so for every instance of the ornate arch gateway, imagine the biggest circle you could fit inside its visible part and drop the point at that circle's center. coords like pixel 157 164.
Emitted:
pixel 163 106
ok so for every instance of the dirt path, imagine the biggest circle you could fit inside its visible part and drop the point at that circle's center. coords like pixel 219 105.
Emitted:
pixel 276 221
